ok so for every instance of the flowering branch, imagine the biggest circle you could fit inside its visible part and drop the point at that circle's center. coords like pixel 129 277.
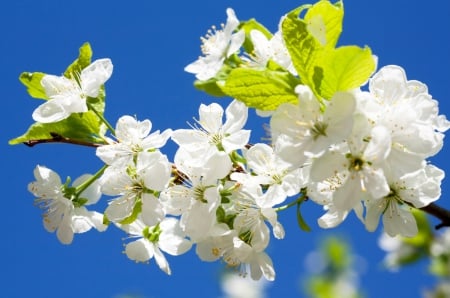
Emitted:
pixel 334 141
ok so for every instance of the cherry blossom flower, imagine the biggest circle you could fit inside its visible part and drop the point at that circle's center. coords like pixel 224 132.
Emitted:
pixel 216 47
pixel 416 134
pixel 198 198
pixel 133 137
pixel 137 185
pixel 357 166
pixel 213 135
pixel 64 212
pixel 165 236
pixel 69 95
pixel 305 130
pixel 266 168
pixel 417 189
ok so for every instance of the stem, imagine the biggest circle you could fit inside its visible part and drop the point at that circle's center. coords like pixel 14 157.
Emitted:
pixel 83 186
pixel 438 212
pixel 99 115
pixel 57 138
pixel 297 201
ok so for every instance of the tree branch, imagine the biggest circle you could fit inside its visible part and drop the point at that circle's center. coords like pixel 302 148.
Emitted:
pixel 57 138
pixel 441 213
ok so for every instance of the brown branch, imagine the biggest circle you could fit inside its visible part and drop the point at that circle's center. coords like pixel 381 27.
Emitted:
pixel 57 138
pixel 441 213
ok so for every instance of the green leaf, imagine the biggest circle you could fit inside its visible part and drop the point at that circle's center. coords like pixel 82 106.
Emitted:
pixel 304 49
pixel 342 69
pixel 210 87
pixel 82 127
pixel 32 80
pixel 83 60
pixel 324 22
pixel 248 26
pixel 300 220
pixel 261 89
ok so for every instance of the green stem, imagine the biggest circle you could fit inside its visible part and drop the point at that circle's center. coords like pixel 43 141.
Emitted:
pixel 83 186
pixel 301 198
pixel 99 115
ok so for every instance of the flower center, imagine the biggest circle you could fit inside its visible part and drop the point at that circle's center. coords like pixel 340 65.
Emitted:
pixel 319 129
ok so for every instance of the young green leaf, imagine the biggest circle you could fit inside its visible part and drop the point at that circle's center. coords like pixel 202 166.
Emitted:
pixel 261 89
pixel 84 127
pixel 83 60
pixel 342 69
pixel 324 22
pixel 32 80
pixel 303 48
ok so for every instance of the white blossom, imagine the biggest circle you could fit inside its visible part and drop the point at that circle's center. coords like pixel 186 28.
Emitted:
pixel 165 236
pixel 212 134
pixel 137 185
pixel 217 45
pixel 410 114
pixel 133 137
pixel 69 95
pixel 303 130
pixel 417 189
pixel 64 212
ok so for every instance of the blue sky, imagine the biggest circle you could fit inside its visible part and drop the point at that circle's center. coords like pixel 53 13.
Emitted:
pixel 149 44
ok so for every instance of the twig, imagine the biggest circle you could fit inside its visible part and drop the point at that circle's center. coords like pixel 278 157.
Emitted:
pixel 57 138
pixel 441 213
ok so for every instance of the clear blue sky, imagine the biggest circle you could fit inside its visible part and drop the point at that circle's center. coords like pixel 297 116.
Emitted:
pixel 149 43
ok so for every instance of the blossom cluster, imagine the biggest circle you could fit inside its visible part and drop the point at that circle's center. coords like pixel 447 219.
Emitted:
pixel 363 150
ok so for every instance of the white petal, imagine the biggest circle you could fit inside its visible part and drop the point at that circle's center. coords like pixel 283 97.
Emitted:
pixel 92 193
pixel 398 221
pixel 262 263
pixel 155 169
pixel 152 210
pixel 211 117
pixel 64 232
pixel 379 146
pixel 236 115
pixel 130 130
pixel 140 250
pixel 51 111
pixel 328 165
pixel 332 218
pixel 236 42
pixel 161 261
pixel 95 75
pixel 120 208
pixel 373 213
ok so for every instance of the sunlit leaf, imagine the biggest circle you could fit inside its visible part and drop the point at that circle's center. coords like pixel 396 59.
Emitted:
pixel 83 127
pixel 32 80
pixel 261 89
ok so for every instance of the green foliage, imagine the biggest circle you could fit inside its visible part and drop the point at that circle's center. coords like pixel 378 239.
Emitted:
pixel 261 89
pixel 324 21
pixel 83 60
pixel 78 127
pixel 342 69
pixel 311 41
pixel 32 80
